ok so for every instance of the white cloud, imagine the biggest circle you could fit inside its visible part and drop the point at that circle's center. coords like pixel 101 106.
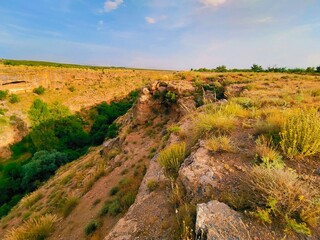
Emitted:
pixel 111 5
pixel 212 3
pixel 150 20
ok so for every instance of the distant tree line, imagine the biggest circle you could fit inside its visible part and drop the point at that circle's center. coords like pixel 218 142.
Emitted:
pixel 56 138
pixel 258 68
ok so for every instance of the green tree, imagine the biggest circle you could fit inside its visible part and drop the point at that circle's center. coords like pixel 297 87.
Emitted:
pixel 318 69
pixel 222 68
pixel 256 68
pixel 39 112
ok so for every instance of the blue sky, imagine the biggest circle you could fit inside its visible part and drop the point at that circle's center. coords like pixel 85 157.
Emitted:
pixel 163 34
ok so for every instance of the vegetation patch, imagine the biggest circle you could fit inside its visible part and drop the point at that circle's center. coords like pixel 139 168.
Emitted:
pixel 300 135
pixel 39 90
pixel 91 227
pixel 220 143
pixel 34 229
pixel 171 158
pixel 277 195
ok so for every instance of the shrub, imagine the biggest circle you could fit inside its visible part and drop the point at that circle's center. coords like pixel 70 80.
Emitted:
pixel 114 190
pixel 221 143
pixel 268 154
pixel 39 90
pixel 114 208
pixel 171 158
pixel 152 185
pixel 14 98
pixel 34 229
pixel 3 94
pixel 91 227
pixel 72 89
pixel 300 135
pixel 278 195
pixel 104 210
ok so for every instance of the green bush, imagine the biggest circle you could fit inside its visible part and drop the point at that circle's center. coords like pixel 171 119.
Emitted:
pixel 171 158
pixel 14 98
pixel 39 90
pixel 91 227
pixel 3 94
pixel 114 208
pixel 300 135
pixel 72 89
pixel 114 191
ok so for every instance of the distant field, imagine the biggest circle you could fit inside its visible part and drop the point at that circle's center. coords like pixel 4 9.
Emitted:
pixel 10 62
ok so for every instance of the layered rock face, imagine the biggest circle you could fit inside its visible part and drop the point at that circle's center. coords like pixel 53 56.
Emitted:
pixel 25 79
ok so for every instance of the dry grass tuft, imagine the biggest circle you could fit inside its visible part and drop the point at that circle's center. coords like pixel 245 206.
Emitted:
pixel 171 158
pixel 278 195
pixel 221 143
pixel 267 153
pixel 34 229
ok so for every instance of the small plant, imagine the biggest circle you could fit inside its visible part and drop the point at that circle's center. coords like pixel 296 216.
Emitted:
pixel 268 154
pixel 152 185
pixel 171 158
pixel 39 90
pixel 300 135
pixel 174 128
pixel 91 227
pixel 34 229
pixel 221 143
pixel 14 98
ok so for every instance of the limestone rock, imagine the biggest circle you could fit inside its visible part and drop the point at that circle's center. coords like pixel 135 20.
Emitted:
pixel 181 88
pixel 196 174
pixel 217 221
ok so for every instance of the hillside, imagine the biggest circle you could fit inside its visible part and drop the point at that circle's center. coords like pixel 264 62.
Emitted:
pixel 198 156
pixel 76 88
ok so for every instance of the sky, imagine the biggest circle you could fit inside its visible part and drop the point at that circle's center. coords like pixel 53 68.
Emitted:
pixel 163 34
